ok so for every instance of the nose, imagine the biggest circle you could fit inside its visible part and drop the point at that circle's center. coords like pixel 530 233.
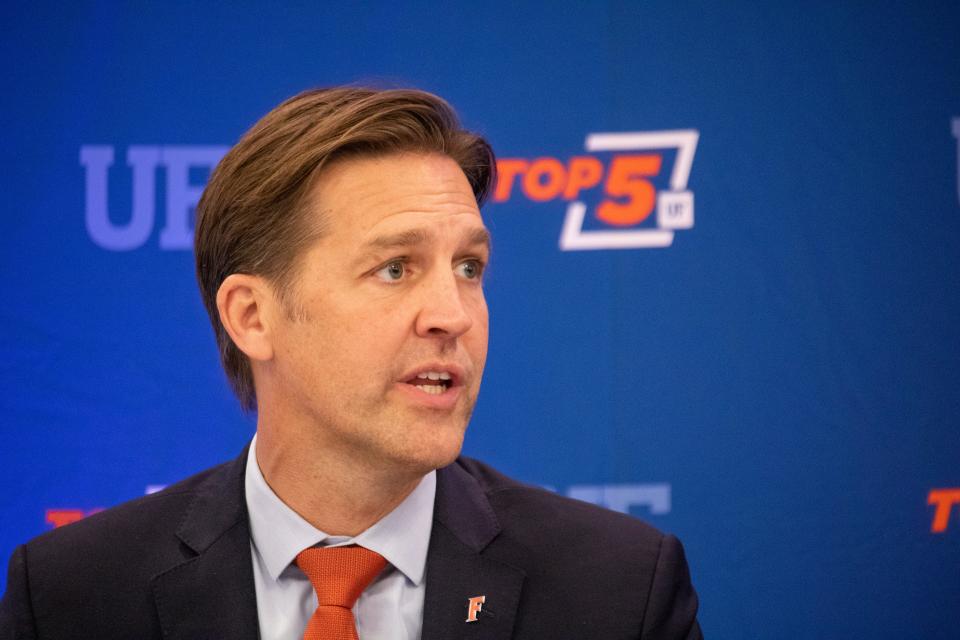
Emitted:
pixel 443 312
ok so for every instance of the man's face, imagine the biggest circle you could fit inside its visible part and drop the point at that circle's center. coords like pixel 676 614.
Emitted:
pixel 384 344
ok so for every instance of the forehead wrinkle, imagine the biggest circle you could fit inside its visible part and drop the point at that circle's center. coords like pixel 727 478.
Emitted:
pixel 418 202
pixel 438 215
pixel 360 204
pixel 405 238
pixel 420 235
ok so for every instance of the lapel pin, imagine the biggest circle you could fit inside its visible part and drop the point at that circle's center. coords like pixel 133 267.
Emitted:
pixel 474 605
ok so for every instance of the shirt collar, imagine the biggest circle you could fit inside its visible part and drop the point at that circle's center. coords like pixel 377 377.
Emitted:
pixel 279 533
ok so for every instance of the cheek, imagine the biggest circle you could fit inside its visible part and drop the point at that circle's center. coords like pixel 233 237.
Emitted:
pixel 481 316
pixel 372 339
pixel 479 332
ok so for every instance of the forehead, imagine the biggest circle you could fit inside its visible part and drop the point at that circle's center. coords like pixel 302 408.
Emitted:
pixel 362 195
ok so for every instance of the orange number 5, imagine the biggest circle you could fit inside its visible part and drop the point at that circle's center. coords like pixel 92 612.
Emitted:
pixel 627 179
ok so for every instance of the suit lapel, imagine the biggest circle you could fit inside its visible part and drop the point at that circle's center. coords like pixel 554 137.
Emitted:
pixel 457 569
pixel 211 594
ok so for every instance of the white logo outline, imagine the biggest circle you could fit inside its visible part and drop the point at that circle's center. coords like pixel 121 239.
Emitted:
pixel 574 238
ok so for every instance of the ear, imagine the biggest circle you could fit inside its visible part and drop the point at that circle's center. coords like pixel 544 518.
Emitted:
pixel 245 305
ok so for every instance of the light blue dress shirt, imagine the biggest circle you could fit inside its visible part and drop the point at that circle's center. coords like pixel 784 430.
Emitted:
pixel 391 608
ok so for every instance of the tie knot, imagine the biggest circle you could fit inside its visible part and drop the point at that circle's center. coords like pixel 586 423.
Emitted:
pixel 340 574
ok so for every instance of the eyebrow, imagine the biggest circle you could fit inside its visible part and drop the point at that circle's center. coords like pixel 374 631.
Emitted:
pixel 413 237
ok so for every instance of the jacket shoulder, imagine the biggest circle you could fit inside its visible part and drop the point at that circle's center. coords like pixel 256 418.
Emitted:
pixel 100 568
pixel 520 505
pixel 127 526
pixel 612 574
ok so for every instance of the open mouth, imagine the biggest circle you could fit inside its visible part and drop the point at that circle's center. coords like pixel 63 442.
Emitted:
pixel 432 382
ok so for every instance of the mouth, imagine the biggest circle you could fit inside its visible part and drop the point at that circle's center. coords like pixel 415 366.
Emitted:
pixel 436 385
pixel 433 382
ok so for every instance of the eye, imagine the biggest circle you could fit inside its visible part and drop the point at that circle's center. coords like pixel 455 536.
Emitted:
pixel 392 271
pixel 470 269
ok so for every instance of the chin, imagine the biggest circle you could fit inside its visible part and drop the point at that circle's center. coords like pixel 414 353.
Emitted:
pixel 434 453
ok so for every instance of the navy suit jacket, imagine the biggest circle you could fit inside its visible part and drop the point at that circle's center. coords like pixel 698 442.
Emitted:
pixel 177 564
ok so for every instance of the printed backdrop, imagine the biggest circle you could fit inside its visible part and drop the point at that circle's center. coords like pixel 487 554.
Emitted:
pixel 723 295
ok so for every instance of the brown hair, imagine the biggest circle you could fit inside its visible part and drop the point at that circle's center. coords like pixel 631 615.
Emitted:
pixel 253 215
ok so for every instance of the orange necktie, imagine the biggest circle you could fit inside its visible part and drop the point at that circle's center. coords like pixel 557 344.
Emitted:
pixel 338 575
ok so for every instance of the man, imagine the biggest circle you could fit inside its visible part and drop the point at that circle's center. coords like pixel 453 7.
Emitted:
pixel 340 253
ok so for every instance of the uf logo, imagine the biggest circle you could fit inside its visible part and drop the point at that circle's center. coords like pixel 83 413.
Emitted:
pixel 144 161
pixel 622 497
pixel 655 496
pixel 61 517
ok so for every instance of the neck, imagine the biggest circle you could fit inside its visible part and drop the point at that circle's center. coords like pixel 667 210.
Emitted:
pixel 335 490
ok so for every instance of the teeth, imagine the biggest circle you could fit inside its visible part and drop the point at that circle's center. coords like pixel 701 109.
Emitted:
pixel 434 375
pixel 432 389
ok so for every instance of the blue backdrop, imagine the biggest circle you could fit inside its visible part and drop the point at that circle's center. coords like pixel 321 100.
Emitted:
pixel 735 316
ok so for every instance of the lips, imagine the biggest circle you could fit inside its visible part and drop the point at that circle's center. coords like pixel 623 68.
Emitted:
pixel 432 382
pixel 435 379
